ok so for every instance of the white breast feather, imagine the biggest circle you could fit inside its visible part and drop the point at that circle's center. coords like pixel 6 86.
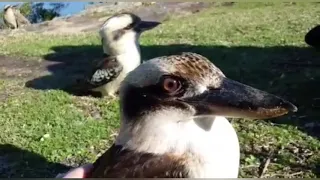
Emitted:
pixel 216 152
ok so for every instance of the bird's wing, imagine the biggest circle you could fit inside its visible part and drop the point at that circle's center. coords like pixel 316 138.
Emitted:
pixel 106 71
pixel 119 163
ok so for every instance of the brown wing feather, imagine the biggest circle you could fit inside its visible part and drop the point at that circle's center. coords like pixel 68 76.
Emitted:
pixel 106 70
pixel 118 163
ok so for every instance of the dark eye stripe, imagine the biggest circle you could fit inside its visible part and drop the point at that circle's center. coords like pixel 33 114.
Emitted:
pixel 118 34
pixel 130 26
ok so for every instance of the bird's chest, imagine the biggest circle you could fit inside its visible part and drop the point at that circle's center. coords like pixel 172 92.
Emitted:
pixel 128 65
pixel 216 153
pixel 9 14
pixel 207 152
pixel 129 62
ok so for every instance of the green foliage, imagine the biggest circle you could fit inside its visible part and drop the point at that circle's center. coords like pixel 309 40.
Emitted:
pixel 39 13
pixel 26 9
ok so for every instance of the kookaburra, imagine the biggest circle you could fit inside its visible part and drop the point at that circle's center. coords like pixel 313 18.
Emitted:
pixel 173 124
pixel 9 17
pixel 120 41
pixel 13 18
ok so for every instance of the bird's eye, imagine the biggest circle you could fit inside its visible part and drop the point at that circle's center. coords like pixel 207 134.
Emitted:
pixel 130 26
pixel 171 85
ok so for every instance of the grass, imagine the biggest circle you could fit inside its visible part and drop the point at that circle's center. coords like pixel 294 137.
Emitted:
pixel 261 44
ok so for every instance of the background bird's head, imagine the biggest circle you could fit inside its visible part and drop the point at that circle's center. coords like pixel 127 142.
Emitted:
pixel 6 7
pixel 120 32
pixel 189 86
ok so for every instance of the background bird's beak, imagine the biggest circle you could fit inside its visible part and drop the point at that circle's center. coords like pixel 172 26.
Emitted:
pixel 146 25
pixel 233 99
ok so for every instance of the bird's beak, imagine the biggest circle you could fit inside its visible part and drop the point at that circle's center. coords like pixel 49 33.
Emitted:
pixel 146 25
pixel 234 99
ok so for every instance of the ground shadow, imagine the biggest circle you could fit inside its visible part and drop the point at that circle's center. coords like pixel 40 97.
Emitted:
pixel 288 71
pixel 18 163
pixel 68 65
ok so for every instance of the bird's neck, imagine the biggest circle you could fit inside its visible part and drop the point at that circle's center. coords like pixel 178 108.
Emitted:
pixel 212 142
pixel 126 53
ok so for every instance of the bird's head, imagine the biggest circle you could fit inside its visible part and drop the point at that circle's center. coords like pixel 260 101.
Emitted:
pixel 121 31
pixel 190 85
pixel 6 7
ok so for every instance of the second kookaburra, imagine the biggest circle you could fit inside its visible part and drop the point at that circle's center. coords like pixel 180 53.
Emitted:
pixel 120 40
pixel 173 124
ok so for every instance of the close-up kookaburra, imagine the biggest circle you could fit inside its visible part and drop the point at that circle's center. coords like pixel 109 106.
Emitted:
pixel 173 113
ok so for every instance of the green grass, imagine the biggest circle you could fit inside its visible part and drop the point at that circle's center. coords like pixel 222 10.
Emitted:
pixel 255 43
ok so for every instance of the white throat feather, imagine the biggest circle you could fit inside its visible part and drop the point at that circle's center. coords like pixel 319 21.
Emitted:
pixel 211 141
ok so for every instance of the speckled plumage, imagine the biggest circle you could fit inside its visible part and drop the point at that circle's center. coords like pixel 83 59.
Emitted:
pixel 188 65
pixel 105 72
